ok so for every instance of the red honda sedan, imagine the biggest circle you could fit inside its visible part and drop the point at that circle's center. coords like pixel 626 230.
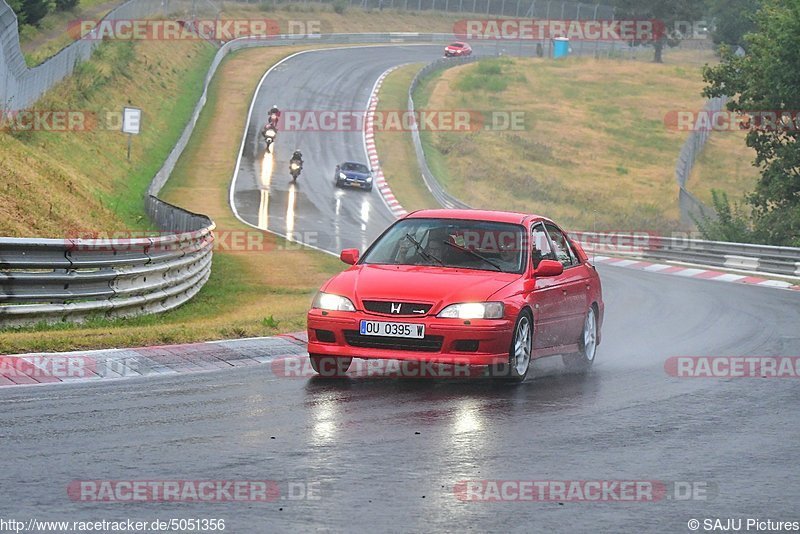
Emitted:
pixel 457 49
pixel 482 288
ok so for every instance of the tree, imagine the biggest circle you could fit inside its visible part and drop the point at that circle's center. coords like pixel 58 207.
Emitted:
pixel 16 7
pixel 64 5
pixel 732 20
pixel 671 14
pixel 767 79
pixel 35 10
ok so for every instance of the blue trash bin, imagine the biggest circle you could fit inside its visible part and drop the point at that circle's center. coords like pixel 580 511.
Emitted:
pixel 560 47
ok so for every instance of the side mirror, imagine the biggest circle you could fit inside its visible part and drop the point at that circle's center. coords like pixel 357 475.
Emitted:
pixel 548 268
pixel 350 256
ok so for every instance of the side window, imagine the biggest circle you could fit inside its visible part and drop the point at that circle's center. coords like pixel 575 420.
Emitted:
pixel 540 246
pixel 563 251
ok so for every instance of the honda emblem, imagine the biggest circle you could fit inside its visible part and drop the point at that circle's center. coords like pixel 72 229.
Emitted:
pixel 395 307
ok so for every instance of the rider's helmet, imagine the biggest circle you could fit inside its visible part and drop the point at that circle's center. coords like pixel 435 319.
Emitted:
pixel 297 154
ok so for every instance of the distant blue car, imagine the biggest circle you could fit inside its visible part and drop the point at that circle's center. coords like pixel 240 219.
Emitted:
pixel 353 174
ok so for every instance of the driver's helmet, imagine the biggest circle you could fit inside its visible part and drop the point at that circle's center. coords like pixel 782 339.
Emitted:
pixel 297 154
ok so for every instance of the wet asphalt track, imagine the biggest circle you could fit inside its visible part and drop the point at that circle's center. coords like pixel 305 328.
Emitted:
pixel 387 453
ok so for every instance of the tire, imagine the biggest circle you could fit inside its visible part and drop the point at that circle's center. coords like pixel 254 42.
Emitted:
pixel 338 183
pixel 369 189
pixel 582 360
pixel 519 353
pixel 329 366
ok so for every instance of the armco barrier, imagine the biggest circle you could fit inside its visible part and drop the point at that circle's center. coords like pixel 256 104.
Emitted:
pixel 51 280
pixel 783 261
pixel 433 185
pixel 740 256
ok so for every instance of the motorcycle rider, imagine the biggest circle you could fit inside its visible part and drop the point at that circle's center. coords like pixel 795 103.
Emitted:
pixel 297 157
pixel 276 113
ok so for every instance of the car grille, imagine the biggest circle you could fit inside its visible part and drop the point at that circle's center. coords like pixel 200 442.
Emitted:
pixel 409 309
pixel 426 344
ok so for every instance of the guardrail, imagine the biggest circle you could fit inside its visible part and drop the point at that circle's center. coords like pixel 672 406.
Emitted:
pixel 51 280
pixel 431 182
pixel 783 261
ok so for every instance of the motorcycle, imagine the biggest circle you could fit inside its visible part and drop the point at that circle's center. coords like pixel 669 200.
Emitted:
pixel 269 134
pixel 295 168
pixel 273 120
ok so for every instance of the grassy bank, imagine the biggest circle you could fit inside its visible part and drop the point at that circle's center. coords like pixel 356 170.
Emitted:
pixel 53 182
pixel 592 149
pixel 395 148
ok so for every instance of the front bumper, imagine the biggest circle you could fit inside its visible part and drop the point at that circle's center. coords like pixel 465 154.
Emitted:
pixel 350 182
pixel 478 342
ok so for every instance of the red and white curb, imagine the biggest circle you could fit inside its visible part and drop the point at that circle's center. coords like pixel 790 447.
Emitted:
pixel 38 369
pixel 694 272
pixel 369 143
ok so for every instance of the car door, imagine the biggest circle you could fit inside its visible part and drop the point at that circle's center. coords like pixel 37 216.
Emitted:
pixel 546 299
pixel 573 286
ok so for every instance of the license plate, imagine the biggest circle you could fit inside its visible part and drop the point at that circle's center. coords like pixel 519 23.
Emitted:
pixel 378 328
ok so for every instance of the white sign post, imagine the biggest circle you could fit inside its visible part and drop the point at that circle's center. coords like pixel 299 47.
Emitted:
pixel 131 124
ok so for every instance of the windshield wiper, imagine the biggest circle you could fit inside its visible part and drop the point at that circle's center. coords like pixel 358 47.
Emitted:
pixel 422 252
pixel 473 253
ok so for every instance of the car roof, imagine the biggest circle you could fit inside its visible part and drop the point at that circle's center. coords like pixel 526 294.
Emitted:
pixel 354 163
pixel 459 43
pixel 513 217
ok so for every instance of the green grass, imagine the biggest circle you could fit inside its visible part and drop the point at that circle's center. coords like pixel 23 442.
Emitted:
pixel 594 151
pixel 396 149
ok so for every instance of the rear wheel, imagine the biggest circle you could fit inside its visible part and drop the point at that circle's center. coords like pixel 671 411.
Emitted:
pixel 519 354
pixel 583 360
pixel 330 366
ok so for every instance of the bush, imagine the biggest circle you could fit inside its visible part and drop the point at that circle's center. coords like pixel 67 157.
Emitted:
pixel 340 6
pixel 64 5
pixel 730 225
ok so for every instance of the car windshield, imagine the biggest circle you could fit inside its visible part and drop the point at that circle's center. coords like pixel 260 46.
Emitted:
pixel 456 45
pixel 463 244
pixel 356 167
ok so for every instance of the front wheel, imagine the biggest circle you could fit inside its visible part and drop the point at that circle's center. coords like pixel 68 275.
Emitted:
pixel 330 366
pixel 583 359
pixel 519 354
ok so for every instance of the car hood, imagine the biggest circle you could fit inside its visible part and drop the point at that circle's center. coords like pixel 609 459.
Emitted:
pixel 355 175
pixel 418 283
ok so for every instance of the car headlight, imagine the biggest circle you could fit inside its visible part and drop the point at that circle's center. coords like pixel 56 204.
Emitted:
pixel 473 310
pixel 328 301
pixel 342 175
pixel 369 179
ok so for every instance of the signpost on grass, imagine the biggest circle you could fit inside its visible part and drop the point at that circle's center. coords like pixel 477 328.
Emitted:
pixel 131 124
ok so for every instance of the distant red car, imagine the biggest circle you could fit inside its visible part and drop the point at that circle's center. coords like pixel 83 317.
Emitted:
pixel 457 49
pixel 483 288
